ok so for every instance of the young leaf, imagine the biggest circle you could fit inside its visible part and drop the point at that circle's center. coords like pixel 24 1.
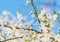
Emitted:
pixel 56 13
pixel 27 40
pixel 45 21
pixel 38 12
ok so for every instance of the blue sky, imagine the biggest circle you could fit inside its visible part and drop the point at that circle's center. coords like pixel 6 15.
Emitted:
pixel 14 5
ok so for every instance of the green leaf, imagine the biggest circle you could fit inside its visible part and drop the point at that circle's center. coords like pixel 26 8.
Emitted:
pixel 27 40
pixel 1 41
pixel 19 11
pixel 45 21
pixel 30 3
pixel 7 38
pixel 56 13
pixel 59 31
pixel 38 12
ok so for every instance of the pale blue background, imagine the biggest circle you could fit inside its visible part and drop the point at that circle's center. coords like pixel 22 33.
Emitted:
pixel 14 5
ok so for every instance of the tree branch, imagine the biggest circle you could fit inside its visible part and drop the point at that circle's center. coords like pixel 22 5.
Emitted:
pixel 19 28
pixel 35 10
pixel 11 39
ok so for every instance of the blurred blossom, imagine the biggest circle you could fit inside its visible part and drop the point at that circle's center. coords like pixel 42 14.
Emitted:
pixel 5 12
pixel 27 2
pixel 55 17
pixel 21 17
pixel 48 10
pixel 7 33
pixel 1 38
pixel 11 22
pixel 43 6
pixel 1 29
pixel 14 27
pixel 18 34
pixel 32 14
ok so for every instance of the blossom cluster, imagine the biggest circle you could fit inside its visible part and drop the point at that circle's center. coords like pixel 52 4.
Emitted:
pixel 12 29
